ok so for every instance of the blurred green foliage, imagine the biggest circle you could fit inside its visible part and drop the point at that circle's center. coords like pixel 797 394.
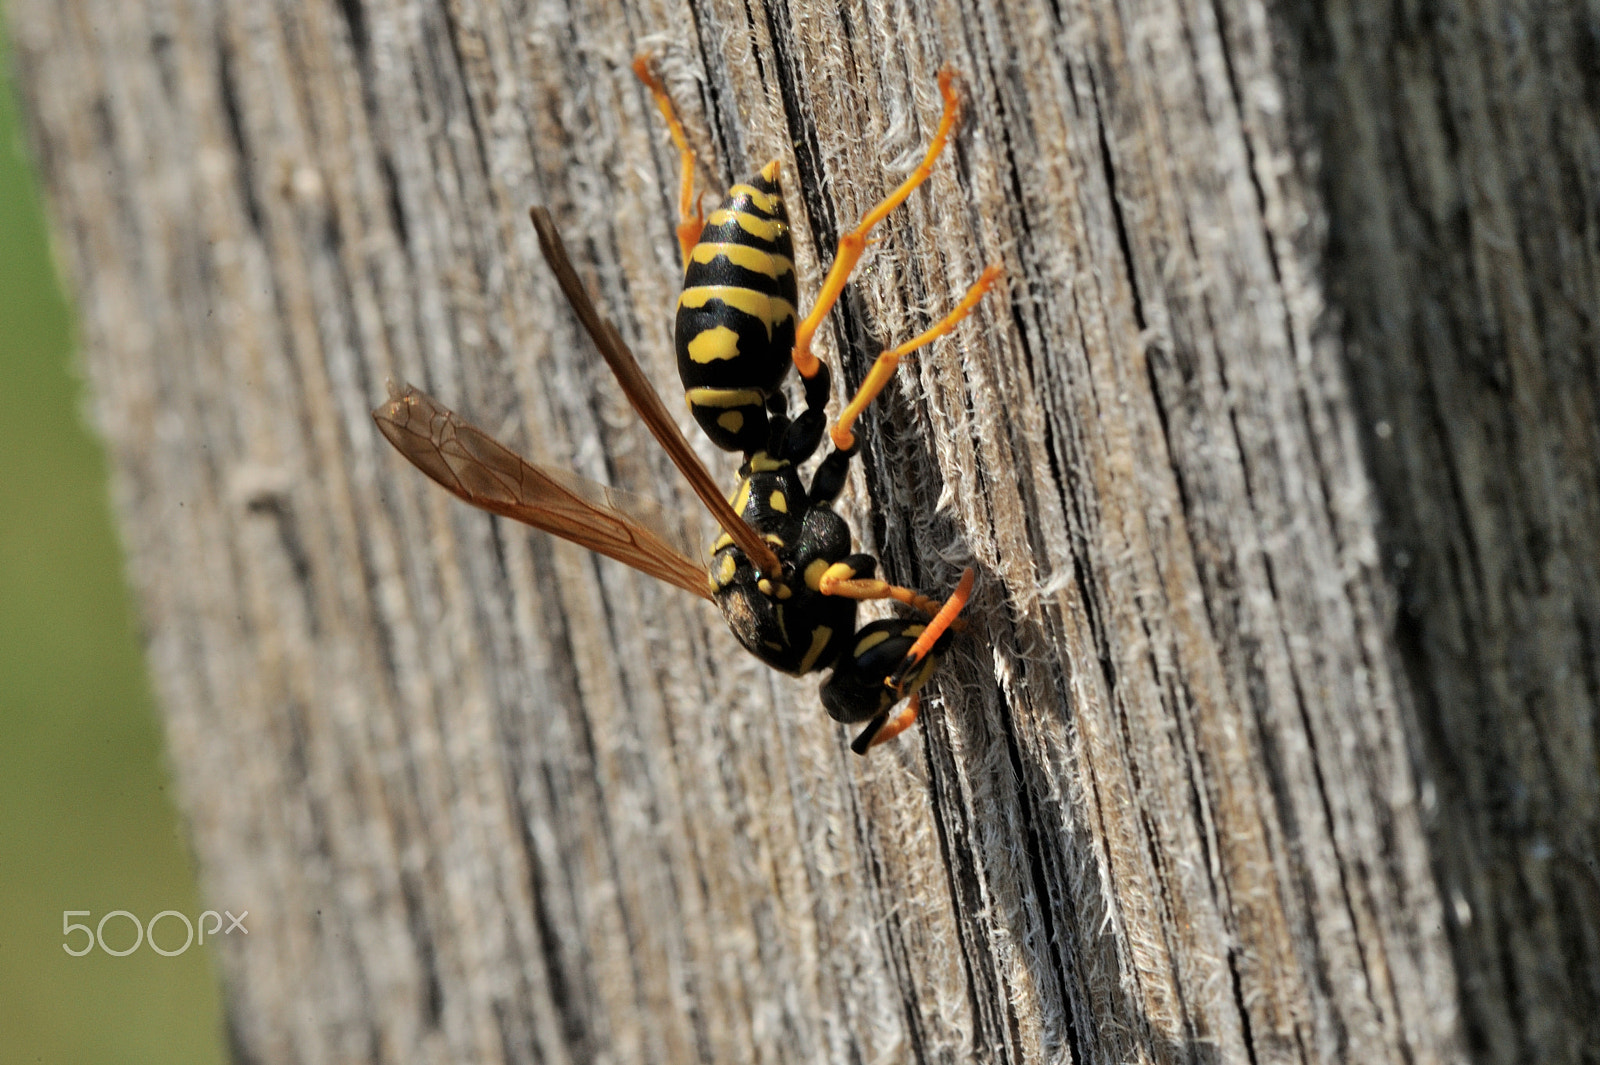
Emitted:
pixel 86 820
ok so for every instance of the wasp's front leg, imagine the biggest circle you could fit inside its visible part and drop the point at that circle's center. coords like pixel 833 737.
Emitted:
pixel 890 661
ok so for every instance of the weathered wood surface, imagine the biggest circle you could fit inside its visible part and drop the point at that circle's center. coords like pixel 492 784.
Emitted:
pixel 1464 150
pixel 1182 795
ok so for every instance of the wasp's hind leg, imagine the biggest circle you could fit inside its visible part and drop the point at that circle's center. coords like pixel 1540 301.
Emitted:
pixel 887 362
pixel 851 247
pixel 854 243
pixel 691 215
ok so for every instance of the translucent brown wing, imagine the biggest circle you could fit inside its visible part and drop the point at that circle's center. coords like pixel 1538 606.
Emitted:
pixel 480 470
pixel 636 386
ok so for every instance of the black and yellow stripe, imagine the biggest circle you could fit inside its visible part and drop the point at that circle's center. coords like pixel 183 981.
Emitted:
pixel 736 316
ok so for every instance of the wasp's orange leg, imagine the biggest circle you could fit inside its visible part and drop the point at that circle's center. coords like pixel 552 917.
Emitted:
pixel 888 725
pixel 839 579
pixel 689 224
pixel 854 243
pixel 884 366
pixel 945 618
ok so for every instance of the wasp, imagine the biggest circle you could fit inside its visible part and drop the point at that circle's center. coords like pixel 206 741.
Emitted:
pixel 782 571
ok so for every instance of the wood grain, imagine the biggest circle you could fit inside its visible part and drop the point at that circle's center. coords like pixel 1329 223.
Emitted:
pixel 1195 785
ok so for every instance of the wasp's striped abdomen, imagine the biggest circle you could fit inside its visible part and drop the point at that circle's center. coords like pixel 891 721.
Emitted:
pixel 736 317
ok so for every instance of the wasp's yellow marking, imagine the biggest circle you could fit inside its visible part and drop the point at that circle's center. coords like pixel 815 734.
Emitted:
pixel 915 630
pixel 760 228
pixel 778 503
pixel 741 498
pixel 779 591
pixel 868 642
pixel 743 255
pixel 839 571
pixel 773 538
pixel 783 630
pixel 769 309
pixel 725 568
pixel 731 420
pixel 761 462
pixel 722 541
pixel 765 202
pixel 920 677
pixel 718 342
pixel 771 644
pixel 724 397
pixel 814 574
pixel 819 639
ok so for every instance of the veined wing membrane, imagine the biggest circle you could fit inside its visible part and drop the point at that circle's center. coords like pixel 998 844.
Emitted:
pixel 645 401
pixel 478 469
